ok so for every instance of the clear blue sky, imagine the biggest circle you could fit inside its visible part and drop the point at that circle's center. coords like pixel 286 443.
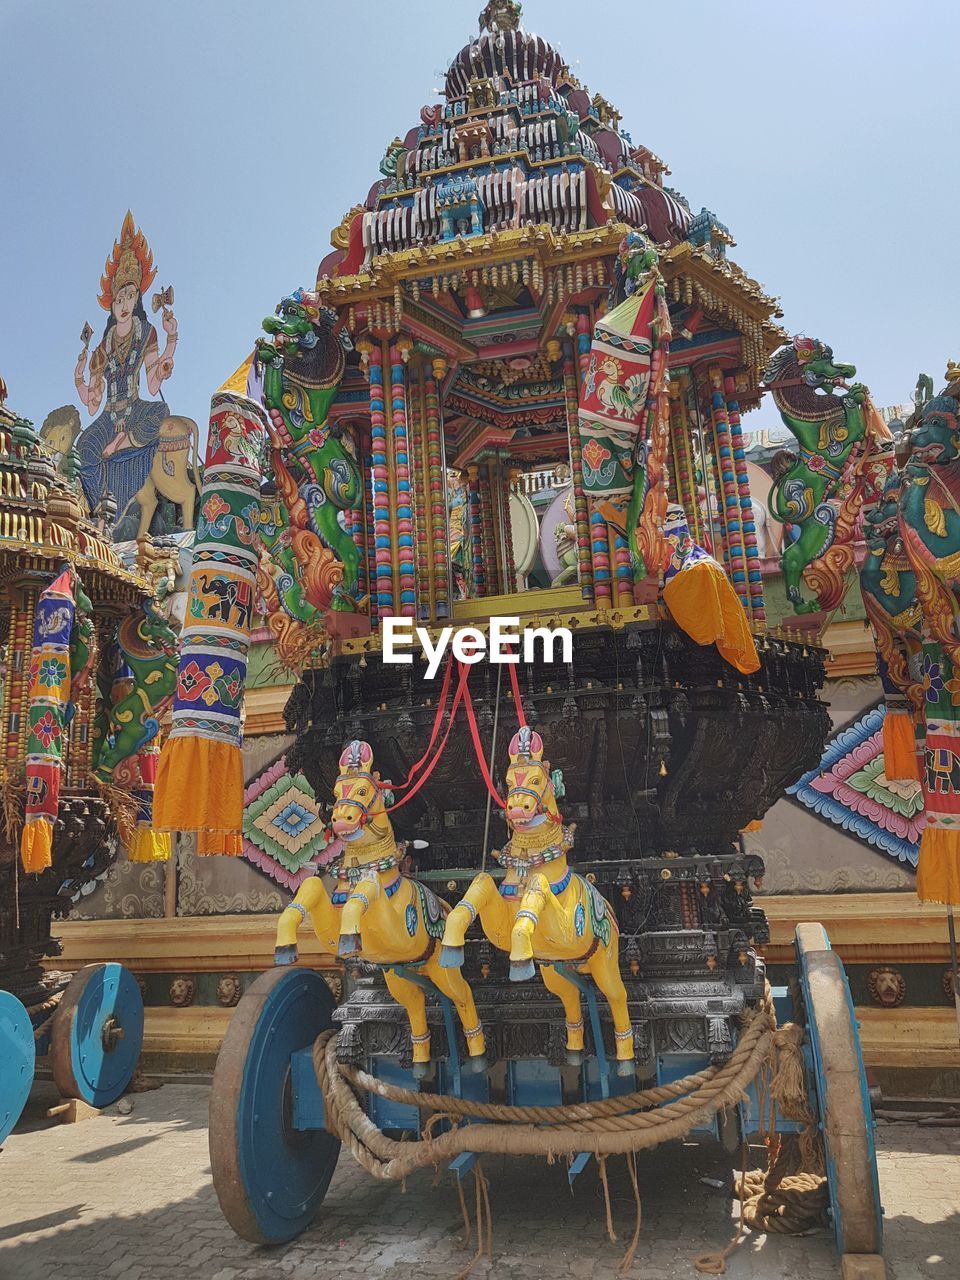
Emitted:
pixel 240 131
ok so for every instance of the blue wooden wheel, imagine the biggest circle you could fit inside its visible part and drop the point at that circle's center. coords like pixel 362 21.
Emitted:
pixel 17 1058
pixel 270 1178
pixel 842 1095
pixel 97 1034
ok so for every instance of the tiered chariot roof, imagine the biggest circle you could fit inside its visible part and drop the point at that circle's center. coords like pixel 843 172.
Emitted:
pixel 518 159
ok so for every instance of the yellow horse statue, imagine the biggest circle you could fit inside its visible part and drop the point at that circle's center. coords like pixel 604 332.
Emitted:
pixel 379 914
pixel 541 909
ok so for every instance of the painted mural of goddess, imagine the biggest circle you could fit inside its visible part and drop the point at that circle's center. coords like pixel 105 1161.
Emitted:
pixel 134 451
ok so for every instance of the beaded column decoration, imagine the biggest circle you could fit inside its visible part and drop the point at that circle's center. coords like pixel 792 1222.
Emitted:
pixel 503 497
pixel 475 533
pixel 581 514
pixel 359 520
pixel 584 330
pixel 405 579
pixel 370 526
pixel 622 571
pixel 420 492
pixel 733 549
pixel 438 489
pixel 747 520
pixel 491 559
pixel 383 570
pixel 683 462
pixel 200 775
pixel 16 687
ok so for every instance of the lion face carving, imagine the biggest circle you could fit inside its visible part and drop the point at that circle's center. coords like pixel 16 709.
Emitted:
pixel 887 987
pixel 182 992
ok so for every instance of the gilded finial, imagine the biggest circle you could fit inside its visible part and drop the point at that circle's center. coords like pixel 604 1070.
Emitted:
pixel 501 15
pixel 953 371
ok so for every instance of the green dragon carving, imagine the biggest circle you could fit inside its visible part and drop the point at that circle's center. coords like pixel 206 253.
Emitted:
pixel 814 489
pixel 310 562
pixel 147 663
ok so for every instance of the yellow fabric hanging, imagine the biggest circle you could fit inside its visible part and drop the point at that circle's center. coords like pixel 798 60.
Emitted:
pixel 938 871
pixel 36 845
pixel 900 747
pixel 149 846
pixel 219 842
pixel 704 604
pixel 199 787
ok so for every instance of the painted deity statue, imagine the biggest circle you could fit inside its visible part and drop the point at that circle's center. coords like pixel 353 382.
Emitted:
pixel 930 529
pixel 930 515
pixel 565 535
pixel 888 586
pixel 135 451
pixel 310 561
pixel 378 913
pixel 457 517
pixel 541 910
pixel 820 489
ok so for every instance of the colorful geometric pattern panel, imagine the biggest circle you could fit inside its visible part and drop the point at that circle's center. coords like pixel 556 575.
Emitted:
pixel 850 789
pixel 284 833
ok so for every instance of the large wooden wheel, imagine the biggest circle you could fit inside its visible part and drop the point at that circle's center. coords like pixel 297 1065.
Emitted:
pixel 17 1062
pixel 842 1097
pixel 96 1034
pixel 270 1178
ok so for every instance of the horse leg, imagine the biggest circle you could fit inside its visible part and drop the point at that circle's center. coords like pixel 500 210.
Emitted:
pixel 569 993
pixel 413 998
pixel 604 967
pixel 537 899
pixel 148 499
pixel 452 983
pixel 362 894
pixel 312 899
pixel 481 898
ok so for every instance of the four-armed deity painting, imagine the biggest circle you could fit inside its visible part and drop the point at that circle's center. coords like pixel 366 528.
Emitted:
pixel 137 460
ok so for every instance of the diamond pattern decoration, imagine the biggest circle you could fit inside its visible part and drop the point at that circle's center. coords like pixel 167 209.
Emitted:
pixel 850 789
pixel 284 833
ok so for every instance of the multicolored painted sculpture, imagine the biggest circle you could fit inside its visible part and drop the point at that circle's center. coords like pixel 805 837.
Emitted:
pixel 930 514
pixel 311 561
pixel 930 529
pixel 622 420
pixel 378 913
pixel 541 910
pixel 147 655
pixel 135 451
pixel 821 489
pixel 61 662
pixel 888 586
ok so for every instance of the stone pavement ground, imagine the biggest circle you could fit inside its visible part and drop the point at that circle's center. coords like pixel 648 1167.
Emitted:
pixel 130 1197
